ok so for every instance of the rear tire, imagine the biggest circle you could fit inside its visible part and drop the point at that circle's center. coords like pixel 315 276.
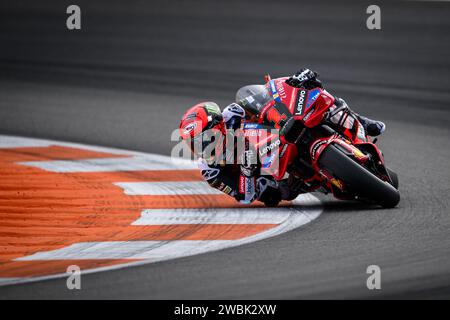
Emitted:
pixel 359 180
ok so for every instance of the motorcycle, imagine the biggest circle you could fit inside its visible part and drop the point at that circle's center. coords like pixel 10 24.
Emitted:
pixel 318 144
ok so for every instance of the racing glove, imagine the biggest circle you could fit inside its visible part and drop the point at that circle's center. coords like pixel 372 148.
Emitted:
pixel 305 78
pixel 233 115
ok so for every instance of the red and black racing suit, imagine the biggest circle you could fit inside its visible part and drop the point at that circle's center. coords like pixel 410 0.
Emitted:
pixel 239 180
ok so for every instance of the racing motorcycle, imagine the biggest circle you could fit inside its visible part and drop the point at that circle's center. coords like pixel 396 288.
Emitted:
pixel 318 144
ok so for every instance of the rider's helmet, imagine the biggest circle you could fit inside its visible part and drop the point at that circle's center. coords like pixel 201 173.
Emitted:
pixel 203 129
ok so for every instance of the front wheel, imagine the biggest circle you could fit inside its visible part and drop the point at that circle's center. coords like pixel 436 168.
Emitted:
pixel 359 180
pixel 394 177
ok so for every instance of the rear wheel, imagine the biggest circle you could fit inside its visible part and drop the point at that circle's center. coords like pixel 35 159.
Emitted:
pixel 358 179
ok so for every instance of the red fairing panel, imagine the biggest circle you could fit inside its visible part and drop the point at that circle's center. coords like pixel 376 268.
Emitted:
pixel 313 116
pixel 286 93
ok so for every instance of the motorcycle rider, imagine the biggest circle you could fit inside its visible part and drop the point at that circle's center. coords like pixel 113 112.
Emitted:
pixel 204 128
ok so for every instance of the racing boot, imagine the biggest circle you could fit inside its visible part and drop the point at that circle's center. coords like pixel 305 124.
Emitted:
pixel 373 128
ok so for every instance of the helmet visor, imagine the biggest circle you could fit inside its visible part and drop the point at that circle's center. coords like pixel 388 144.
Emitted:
pixel 253 97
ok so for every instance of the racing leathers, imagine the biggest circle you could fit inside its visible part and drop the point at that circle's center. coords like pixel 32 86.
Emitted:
pixel 239 179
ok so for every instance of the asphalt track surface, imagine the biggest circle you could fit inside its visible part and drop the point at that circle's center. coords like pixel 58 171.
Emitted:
pixel 127 76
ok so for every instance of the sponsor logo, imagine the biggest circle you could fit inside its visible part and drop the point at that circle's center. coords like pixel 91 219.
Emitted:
pixel 272 86
pixel 275 94
pixel 227 190
pixel 267 162
pixel 251 126
pixel 249 186
pixel 270 147
pixel 252 133
pixel 312 96
pixel 241 184
pixel 212 108
pixel 224 188
pixel 280 89
pixel 210 173
pixel 300 102
pixel 191 126
pixel 316 147
pixel 310 112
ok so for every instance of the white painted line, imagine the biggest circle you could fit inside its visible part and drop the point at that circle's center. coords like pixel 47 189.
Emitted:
pixel 306 208
pixel 153 251
pixel 166 188
pixel 126 250
pixel 135 163
pixel 254 215
pixel 19 142
pixel 5 281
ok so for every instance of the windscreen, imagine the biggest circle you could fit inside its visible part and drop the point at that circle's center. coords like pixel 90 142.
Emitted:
pixel 253 97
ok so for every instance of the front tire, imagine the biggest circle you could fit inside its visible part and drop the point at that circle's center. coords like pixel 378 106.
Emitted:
pixel 358 179
pixel 394 177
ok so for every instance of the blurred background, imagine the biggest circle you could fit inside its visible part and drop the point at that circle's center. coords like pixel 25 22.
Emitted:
pixel 128 75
